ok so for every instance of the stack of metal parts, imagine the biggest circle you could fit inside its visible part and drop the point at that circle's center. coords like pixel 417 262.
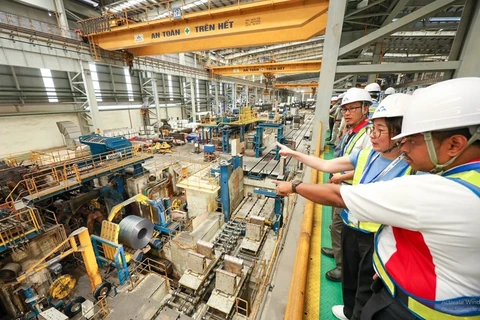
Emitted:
pixel 231 233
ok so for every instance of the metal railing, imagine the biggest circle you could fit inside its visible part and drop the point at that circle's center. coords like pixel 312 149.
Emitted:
pixel 148 13
pixel 99 311
pixel 71 172
pixel 36 25
pixel 142 268
pixel 17 226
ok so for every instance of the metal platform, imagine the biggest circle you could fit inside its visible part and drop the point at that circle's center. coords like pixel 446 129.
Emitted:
pixel 141 303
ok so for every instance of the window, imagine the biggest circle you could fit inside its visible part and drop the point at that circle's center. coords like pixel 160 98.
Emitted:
pixel 128 81
pixel 198 94
pixel 170 87
pixel 96 83
pixel 49 85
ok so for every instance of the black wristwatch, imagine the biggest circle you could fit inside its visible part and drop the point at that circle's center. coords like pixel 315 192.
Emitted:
pixel 295 184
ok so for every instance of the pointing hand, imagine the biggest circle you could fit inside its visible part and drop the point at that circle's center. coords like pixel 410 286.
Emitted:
pixel 284 150
pixel 283 188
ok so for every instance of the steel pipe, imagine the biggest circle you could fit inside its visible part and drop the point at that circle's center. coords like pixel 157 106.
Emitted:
pixel 296 296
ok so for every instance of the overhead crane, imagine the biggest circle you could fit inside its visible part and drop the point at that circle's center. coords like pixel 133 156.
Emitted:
pixel 267 68
pixel 312 85
pixel 250 24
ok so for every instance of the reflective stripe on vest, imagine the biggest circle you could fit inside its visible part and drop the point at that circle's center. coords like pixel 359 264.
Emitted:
pixel 467 308
pixel 349 147
pixel 364 158
pixel 351 143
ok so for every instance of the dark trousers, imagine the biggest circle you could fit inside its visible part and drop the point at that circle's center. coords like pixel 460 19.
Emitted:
pixel 357 271
pixel 336 234
pixel 382 306
pixel 331 122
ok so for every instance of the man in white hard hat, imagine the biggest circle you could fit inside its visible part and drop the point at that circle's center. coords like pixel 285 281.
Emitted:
pixel 337 119
pixel 354 107
pixel 331 115
pixel 389 91
pixel 427 252
pixel 374 90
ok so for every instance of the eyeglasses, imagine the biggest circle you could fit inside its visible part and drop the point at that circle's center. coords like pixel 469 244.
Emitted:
pixel 345 110
pixel 375 133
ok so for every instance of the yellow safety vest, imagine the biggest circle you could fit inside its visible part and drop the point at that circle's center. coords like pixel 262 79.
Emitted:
pixel 349 147
pixel 471 180
pixel 363 160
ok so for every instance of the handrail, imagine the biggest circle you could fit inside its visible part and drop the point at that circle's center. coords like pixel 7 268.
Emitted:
pixel 59 173
pixel 296 295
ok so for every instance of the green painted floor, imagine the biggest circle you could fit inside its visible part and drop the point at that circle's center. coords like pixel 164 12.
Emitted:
pixel 330 292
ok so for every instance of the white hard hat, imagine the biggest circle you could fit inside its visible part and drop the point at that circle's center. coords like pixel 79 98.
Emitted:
pixel 373 87
pixel 445 105
pixel 334 98
pixel 393 106
pixel 418 91
pixel 341 96
pixel 356 94
pixel 389 91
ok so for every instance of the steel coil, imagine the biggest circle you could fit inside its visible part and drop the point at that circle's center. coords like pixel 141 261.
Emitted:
pixel 10 271
pixel 135 232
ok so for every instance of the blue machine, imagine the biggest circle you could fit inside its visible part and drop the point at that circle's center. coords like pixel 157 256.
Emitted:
pixel 210 148
pixel 226 169
pixel 119 259
pixel 99 144
pixel 108 148
pixel 258 139
pixel 162 207
pixel 226 139
pixel 279 202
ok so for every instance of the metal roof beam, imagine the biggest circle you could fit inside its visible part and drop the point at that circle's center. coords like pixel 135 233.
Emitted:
pixel 399 7
pixel 395 26
pixel 398 67
pixel 273 47
pixel 363 8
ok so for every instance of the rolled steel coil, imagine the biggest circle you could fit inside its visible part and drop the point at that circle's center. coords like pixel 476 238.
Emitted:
pixel 135 232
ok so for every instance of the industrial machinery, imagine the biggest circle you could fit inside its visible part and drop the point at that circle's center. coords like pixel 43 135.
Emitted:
pixel 63 285
pixel 157 211
pixel 110 148
pixel 209 153
pixel 131 238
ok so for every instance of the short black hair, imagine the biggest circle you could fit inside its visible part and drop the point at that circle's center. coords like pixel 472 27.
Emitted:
pixel 443 135
pixel 394 125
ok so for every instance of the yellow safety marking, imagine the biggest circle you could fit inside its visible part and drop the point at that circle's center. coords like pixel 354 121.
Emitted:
pixel 109 232
pixel 312 290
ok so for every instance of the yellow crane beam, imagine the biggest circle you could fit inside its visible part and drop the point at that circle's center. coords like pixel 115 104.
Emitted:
pixel 251 24
pixel 262 68
pixel 296 85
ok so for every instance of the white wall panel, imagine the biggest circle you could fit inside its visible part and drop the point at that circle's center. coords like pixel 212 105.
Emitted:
pixel 22 134
pixel 120 119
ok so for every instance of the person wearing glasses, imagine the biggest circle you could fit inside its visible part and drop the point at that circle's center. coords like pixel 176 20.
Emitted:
pixel 354 108
pixel 426 253
pixel 383 162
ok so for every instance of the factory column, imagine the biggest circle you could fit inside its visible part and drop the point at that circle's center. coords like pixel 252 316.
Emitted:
pixel 331 47
pixel 234 96
pixel 469 62
pixel 193 98
pixel 217 103
pixel 91 98
pixel 62 18
pixel 155 100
